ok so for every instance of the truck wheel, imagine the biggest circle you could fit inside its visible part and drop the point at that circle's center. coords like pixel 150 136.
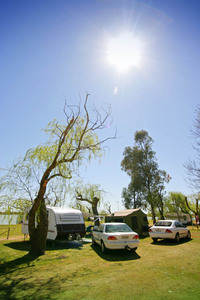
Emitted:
pixel 103 247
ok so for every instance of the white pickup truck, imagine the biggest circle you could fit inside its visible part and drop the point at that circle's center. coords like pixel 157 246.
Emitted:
pixel 115 236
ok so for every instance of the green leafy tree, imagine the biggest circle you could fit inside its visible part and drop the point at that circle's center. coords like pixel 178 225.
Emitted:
pixel 147 181
pixel 21 183
pixel 69 145
pixel 192 203
pixel 132 197
pixel 176 203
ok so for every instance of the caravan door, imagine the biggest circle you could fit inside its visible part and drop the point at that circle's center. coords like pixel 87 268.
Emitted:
pixel 52 228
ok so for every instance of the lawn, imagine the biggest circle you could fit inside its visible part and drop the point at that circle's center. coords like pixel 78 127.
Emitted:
pixel 71 270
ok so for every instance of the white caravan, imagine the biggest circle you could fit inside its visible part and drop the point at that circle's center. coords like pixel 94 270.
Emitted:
pixel 181 217
pixel 62 222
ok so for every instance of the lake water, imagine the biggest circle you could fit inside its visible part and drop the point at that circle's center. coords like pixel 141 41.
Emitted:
pixel 8 220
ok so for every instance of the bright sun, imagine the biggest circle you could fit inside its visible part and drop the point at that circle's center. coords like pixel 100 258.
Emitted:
pixel 124 52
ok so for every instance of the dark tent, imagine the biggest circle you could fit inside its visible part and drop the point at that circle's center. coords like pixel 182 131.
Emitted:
pixel 134 218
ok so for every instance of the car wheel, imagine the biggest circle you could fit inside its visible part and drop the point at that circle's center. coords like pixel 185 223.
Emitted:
pixel 177 237
pixel 93 241
pixel 154 240
pixel 133 250
pixel 103 247
pixel 189 235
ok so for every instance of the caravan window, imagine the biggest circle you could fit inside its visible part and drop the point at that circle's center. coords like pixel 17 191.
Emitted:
pixel 70 218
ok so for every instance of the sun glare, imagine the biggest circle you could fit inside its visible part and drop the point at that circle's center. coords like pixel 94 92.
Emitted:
pixel 124 52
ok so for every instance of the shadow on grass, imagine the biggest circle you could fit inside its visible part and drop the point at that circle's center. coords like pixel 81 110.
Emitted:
pixel 16 264
pixel 11 283
pixel 51 245
pixel 115 255
pixel 14 282
pixel 170 242
pixel 19 288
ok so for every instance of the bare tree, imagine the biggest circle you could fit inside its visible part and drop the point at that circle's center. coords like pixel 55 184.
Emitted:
pixel 192 166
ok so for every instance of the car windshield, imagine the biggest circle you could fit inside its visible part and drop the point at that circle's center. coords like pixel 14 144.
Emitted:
pixel 163 223
pixel 117 228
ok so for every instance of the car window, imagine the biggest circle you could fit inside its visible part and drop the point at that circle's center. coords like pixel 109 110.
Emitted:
pixel 117 228
pixel 178 224
pixel 163 223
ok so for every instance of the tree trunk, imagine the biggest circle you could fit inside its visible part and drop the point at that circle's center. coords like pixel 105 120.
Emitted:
pixel 94 210
pixel 161 214
pixel 161 208
pixel 38 230
pixel 153 214
pixel 38 223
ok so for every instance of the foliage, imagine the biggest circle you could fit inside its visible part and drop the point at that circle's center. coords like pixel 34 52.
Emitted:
pixel 132 197
pixel 21 183
pixel 176 203
pixel 92 194
pixel 147 180
pixel 192 203
pixel 70 143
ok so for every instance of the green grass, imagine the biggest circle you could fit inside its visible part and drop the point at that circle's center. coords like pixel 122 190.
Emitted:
pixel 164 270
pixel 14 230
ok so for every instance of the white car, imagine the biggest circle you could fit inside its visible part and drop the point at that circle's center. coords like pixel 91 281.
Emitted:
pixel 115 236
pixel 169 229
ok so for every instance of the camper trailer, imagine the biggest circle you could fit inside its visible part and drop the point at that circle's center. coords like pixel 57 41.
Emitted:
pixel 62 222
pixel 181 217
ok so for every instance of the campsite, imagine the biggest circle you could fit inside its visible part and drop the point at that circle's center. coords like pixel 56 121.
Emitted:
pixel 72 270
pixel 100 125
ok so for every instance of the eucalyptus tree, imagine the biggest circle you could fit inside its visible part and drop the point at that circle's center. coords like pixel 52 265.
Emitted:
pixel 132 196
pixel 147 180
pixel 70 144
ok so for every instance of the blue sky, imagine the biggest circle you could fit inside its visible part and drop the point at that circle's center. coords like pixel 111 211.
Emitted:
pixel 56 50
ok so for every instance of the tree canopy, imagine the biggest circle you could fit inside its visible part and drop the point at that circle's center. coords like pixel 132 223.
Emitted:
pixel 92 194
pixel 146 188
pixel 70 143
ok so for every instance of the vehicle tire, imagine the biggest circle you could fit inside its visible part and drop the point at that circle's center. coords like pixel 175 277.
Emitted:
pixel 103 247
pixel 189 235
pixel 93 241
pixel 133 250
pixel 177 238
pixel 155 240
